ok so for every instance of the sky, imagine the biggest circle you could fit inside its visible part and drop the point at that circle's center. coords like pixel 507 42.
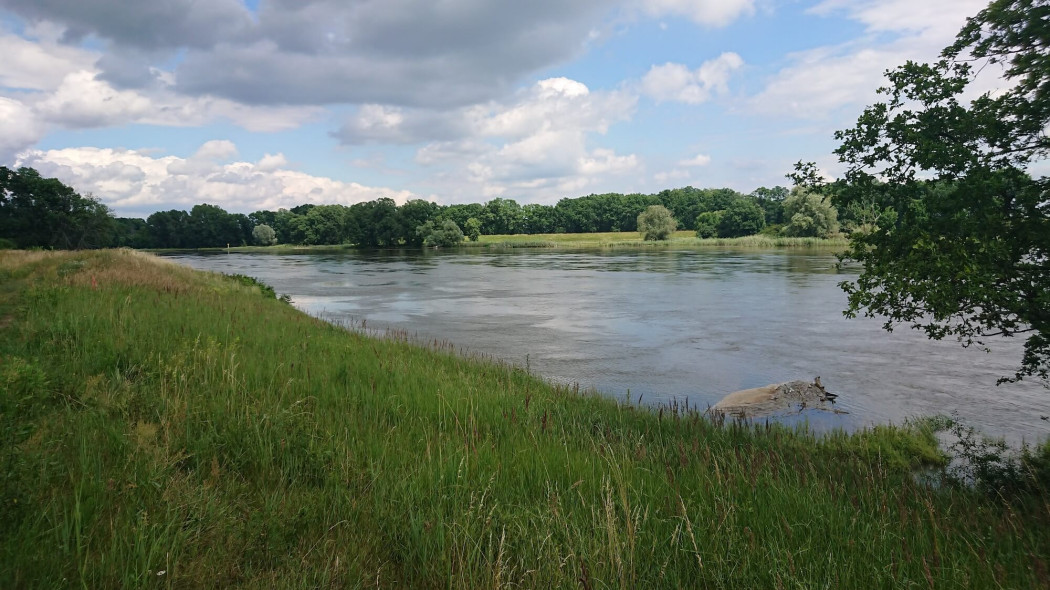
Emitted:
pixel 264 104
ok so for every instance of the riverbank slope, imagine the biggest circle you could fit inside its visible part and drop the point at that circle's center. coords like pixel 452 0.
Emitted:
pixel 165 426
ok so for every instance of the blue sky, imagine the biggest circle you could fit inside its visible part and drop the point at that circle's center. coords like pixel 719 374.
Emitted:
pixel 268 104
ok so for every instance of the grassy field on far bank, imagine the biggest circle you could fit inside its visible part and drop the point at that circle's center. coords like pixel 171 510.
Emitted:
pixel 164 427
pixel 680 239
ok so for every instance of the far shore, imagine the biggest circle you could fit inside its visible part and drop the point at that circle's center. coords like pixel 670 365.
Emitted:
pixel 578 241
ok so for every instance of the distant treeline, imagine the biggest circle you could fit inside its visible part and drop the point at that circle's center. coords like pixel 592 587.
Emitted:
pixel 43 212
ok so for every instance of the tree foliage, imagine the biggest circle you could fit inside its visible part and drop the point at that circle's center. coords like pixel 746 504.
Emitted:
pixel 473 227
pixel 38 212
pixel 743 217
pixel 656 223
pixel 960 241
pixel 809 214
pixel 707 224
pixel 441 234
pixel 264 235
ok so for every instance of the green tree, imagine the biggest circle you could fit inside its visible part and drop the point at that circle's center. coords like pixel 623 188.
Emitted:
pixel 264 235
pixel 444 233
pixel 809 214
pixel 210 226
pixel 501 216
pixel 168 229
pixel 961 245
pixel 707 224
pixel 772 202
pixel 538 219
pixel 473 227
pixel 743 217
pixel 326 224
pixel 375 224
pixel 656 223
pixel 413 214
pixel 130 232
pixel 43 212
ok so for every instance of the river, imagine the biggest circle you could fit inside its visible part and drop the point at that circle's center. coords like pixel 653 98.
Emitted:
pixel 662 325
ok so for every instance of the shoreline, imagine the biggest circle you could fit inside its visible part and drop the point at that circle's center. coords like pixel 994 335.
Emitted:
pixel 554 242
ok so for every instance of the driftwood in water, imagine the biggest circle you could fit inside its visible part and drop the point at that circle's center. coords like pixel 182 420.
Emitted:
pixel 776 399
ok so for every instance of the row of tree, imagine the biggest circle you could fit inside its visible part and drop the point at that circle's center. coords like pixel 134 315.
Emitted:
pixel 42 212
pixel 382 223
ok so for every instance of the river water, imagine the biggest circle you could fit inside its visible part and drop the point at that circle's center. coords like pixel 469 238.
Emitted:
pixel 662 325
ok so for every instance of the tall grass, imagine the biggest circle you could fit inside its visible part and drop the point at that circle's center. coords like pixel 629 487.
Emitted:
pixel 165 427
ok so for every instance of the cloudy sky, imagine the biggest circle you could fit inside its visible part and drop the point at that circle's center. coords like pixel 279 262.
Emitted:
pixel 252 104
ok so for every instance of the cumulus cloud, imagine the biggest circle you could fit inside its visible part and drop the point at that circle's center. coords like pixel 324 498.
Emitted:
pixel 676 82
pixel 53 86
pixel 396 52
pixel 135 183
pixel 533 145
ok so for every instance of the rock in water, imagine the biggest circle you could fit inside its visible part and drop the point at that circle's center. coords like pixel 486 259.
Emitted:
pixel 775 399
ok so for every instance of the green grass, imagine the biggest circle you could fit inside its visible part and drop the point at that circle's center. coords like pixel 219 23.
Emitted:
pixel 680 239
pixel 166 427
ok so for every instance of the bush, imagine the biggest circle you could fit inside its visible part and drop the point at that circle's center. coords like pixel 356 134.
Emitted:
pixel 6 244
pixel 473 227
pixel 743 217
pixel 443 233
pixel 656 223
pixel 707 224
pixel 991 466
pixel 264 235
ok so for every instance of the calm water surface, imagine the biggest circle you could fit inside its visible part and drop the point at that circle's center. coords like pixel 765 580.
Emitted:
pixel 662 325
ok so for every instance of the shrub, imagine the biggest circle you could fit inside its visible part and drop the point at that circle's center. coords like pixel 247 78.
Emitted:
pixel 473 227
pixel 656 223
pixel 443 233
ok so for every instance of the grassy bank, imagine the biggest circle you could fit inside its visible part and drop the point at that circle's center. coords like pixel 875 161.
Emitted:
pixel 165 427
pixel 681 239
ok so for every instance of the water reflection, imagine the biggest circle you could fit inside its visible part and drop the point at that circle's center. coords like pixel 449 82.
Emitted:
pixel 661 324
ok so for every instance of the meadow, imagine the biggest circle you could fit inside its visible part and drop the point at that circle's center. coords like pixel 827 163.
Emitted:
pixel 165 427
pixel 680 239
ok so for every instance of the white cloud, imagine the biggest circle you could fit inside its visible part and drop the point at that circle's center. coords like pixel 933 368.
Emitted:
pixel 676 82
pixel 21 128
pixel 695 161
pixel 271 162
pixel 817 83
pixel 83 101
pixel 216 149
pixel 39 65
pixel 675 174
pixel 534 146
pixel 714 13
pixel 942 17
pixel 137 183
pixel 51 86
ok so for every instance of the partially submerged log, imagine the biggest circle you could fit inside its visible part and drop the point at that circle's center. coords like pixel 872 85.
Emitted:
pixel 779 398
